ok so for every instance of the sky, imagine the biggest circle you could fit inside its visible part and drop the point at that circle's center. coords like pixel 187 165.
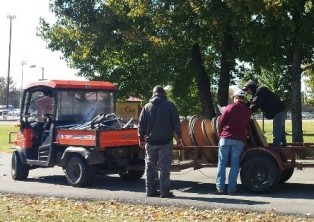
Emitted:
pixel 26 46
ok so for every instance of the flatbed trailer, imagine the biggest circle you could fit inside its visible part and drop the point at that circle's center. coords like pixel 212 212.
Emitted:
pixel 262 167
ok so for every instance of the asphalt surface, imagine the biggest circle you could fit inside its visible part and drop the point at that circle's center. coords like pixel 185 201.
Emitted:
pixel 193 188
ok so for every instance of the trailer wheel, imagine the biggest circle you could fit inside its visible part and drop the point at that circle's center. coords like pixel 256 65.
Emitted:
pixel 259 174
pixel 78 172
pixel 131 175
pixel 286 175
pixel 19 171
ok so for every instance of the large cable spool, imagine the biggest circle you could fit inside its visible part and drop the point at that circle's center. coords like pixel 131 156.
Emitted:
pixel 191 129
pixel 185 133
pixel 261 136
pixel 198 138
pixel 208 132
pixel 256 135
pixel 198 134
pixel 201 131
pixel 215 127
pixel 211 138
pixel 194 119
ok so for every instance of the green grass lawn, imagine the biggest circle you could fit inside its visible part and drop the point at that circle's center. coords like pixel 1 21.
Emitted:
pixel 4 136
pixel 307 126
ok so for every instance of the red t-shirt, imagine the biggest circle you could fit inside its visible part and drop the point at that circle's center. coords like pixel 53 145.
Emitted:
pixel 234 120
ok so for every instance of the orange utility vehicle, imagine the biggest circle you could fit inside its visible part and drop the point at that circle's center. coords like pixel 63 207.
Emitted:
pixel 72 124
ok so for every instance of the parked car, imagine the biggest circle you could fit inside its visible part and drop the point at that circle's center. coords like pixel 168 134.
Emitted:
pixel 4 113
pixel 15 112
pixel 307 115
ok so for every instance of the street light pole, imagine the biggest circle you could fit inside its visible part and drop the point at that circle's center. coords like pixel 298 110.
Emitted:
pixel 23 63
pixel 42 74
pixel 11 17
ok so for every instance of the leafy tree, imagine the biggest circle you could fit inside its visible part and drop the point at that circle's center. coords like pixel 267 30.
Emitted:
pixel 14 94
pixel 275 79
pixel 3 87
pixel 308 75
pixel 146 43
pixel 195 46
pixel 281 35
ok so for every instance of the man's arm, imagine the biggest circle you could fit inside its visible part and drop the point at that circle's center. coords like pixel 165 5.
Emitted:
pixel 141 130
pixel 177 127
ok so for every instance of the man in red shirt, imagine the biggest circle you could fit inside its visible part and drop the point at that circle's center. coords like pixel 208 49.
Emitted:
pixel 233 123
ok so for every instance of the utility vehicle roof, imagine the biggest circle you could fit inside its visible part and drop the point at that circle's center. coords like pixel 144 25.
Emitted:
pixel 74 84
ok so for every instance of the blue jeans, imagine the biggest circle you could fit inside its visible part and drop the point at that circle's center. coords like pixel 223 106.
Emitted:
pixel 228 149
pixel 158 156
pixel 279 129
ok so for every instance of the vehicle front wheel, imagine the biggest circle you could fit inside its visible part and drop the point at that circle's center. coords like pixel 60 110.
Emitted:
pixel 19 171
pixel 259 174
pixel 78 172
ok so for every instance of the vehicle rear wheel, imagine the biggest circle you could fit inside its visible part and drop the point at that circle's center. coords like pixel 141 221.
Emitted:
pixel 259 174
pixel 78 172
pixel 131 175
pixel 286 175
pixel 19 171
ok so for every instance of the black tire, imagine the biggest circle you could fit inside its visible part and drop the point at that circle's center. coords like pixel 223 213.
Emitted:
pixel 131 175
pixel 19 171
pixel 78 172
pixel 259 174
pixel 286 175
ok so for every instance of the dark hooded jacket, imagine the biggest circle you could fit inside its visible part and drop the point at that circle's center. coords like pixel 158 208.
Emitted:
pixel 267 101
pixel 158 121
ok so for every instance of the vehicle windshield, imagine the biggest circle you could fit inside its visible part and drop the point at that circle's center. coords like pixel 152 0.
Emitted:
pixel 83 106
pixel 40 104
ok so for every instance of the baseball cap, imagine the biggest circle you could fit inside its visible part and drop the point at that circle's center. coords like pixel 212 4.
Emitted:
pixel 248 85
pixel 239 93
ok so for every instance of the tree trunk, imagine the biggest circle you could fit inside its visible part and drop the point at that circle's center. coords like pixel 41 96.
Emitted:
pixel 224 79
pixel 203 83
pixel 296 117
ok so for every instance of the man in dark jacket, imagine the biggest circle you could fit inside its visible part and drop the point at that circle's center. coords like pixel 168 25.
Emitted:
pixel 272 108
pixel 158 121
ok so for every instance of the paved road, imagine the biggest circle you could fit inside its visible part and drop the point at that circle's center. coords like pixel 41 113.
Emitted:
pixel 191 187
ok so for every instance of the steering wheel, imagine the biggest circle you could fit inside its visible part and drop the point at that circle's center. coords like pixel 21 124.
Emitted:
pixel 48 117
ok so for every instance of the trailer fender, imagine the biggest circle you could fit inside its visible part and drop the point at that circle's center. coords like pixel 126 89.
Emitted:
pixel 21 153
pixel 262 151
pixel 91 156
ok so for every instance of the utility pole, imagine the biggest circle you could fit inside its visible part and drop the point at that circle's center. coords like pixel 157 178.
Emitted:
pixel 11 17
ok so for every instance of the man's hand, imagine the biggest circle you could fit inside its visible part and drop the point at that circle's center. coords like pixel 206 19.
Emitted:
pixel 179 143
pixel 142 144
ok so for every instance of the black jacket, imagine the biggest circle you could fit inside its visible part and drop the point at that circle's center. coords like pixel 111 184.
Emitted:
pixel 158 121
pixel 267 101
